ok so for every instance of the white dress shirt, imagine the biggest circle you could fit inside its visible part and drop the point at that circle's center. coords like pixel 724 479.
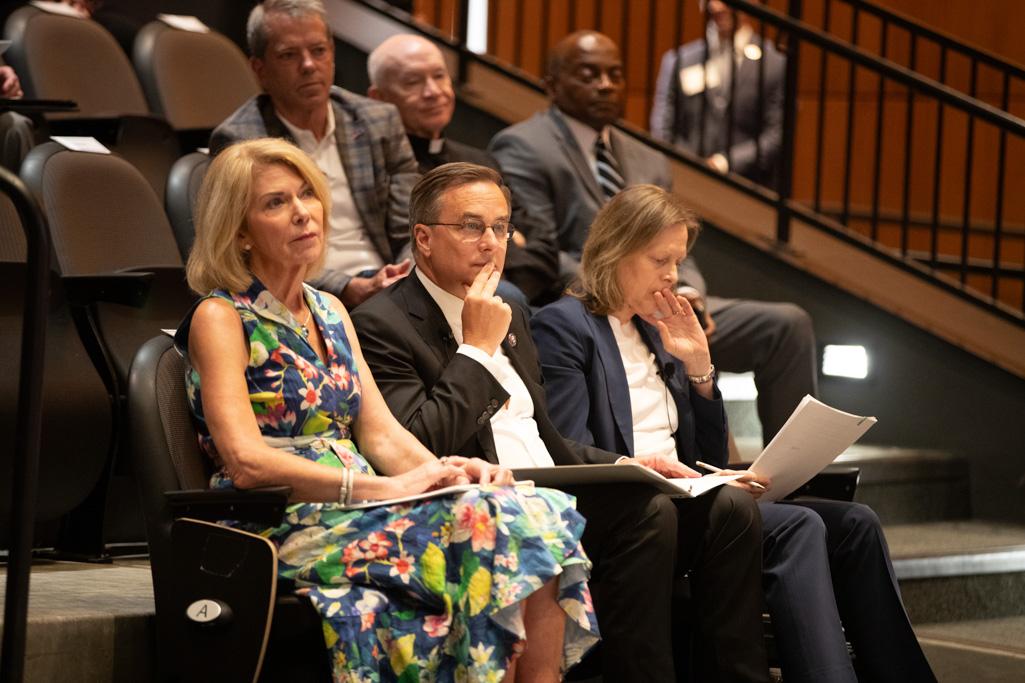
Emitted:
pixel 652 409
pixel 348 248
pixel 517 441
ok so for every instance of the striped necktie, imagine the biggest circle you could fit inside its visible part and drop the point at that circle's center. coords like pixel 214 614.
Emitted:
pixel 609 177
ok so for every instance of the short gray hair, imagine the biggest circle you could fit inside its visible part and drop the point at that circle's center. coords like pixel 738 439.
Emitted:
pixel 256 25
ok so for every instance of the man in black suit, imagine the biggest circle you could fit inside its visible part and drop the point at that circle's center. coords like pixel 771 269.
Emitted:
pixel 458 368
pixel 410 72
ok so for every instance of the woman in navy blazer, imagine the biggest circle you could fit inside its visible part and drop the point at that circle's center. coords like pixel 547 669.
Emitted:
pixel 822 559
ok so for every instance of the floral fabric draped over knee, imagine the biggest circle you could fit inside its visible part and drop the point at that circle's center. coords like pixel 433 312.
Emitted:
pixel 420 591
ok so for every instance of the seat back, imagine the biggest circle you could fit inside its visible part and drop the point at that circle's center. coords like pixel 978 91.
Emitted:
pixel 167 454
pixel 104 218
pixel 194 80
pixel 183 184
pixel 76 411
pixel 63 57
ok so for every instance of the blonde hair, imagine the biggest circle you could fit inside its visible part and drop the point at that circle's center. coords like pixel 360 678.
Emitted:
pixel 627 223
pixel 217 260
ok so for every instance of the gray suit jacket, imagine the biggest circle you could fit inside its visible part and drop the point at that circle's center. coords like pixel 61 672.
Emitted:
pixel 547 171
pixel 757 124
pixel 375 153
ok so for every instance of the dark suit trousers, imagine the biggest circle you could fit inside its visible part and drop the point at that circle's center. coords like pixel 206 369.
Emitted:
pixel 630 538
pixel 818 549
pixel 777 342
pixel 720 546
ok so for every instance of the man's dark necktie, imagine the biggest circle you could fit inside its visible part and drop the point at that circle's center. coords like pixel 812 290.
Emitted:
pixel 609 178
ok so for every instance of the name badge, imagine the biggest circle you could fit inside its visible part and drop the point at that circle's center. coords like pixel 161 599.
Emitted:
pixel 693 79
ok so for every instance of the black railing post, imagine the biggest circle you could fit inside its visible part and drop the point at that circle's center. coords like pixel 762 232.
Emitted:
pixel 462 36
pixel 25 477
pixel 786 159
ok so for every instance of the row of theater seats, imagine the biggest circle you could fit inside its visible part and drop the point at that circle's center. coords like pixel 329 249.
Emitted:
pixel 121 229
pixel 181 86
pixel 118 279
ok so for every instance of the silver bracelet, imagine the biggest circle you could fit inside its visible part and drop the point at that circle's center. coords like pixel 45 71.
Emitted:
pixel 343 488
pixel 703 379
pixel 350 475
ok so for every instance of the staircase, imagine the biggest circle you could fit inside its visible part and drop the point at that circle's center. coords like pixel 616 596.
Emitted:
pixel 962 579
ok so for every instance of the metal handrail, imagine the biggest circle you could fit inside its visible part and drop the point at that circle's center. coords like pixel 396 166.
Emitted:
pixel 25 479
pixel 792 33
pixel 943 39
pixel 884 67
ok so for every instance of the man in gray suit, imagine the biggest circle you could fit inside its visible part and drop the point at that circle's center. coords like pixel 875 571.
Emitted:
pixel 567 161
pixel 359 143
pixel 693 93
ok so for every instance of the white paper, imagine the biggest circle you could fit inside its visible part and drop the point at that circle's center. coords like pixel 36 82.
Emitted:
pixel 810 439
pixel 697 486
pixel 58 8
pixel 527 486
pixel 184 22
pixel 81 143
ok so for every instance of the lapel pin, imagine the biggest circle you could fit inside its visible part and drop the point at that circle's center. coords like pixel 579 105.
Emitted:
pixel 511 339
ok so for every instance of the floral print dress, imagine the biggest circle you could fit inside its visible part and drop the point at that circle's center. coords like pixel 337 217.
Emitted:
pixel 420 591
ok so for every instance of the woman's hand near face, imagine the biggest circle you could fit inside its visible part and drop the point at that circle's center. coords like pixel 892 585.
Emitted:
pixel 680 331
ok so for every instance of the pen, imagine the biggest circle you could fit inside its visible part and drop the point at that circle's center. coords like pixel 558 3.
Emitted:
pixel 713 468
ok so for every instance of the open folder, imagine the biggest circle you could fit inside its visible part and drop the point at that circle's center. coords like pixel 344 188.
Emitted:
pixel 577 475
pixel 810 439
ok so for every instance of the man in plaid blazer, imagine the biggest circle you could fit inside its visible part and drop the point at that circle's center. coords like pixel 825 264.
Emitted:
pixel 359 143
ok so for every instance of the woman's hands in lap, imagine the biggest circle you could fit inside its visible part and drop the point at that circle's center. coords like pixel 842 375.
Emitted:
pixel 480 471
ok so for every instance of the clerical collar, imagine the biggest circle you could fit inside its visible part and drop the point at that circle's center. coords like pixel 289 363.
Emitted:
pixel 422 146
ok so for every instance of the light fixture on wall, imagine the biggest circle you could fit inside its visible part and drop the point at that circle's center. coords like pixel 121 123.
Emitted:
pixel 845 360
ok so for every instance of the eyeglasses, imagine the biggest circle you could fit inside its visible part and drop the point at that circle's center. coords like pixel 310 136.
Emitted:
pixel 472 230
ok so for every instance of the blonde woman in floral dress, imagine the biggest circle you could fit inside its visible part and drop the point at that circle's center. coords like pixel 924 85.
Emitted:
pixel 485 585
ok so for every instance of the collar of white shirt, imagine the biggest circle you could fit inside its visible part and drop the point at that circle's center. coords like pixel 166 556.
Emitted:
pixel 451 306
pixel 306 140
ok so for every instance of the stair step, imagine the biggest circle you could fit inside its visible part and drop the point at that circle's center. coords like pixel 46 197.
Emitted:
pixel 959 570
pixel 977 650
pixel 902 485
pixel 910 485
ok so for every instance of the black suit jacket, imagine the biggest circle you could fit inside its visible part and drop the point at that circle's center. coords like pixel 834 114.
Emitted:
pixel 444 398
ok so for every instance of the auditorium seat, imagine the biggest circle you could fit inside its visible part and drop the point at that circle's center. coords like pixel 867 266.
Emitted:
pixel 68 58
pixel 76 409
pixel 194 80
pixel 118 261
pixel 265 629
pixel 183 184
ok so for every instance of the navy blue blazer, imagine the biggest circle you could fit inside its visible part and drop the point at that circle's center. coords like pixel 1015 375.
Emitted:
pixel 588 398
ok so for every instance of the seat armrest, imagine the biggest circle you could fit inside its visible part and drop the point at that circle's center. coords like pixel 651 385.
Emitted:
pixel 834 482
pixel 264 505
pixel 126 288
